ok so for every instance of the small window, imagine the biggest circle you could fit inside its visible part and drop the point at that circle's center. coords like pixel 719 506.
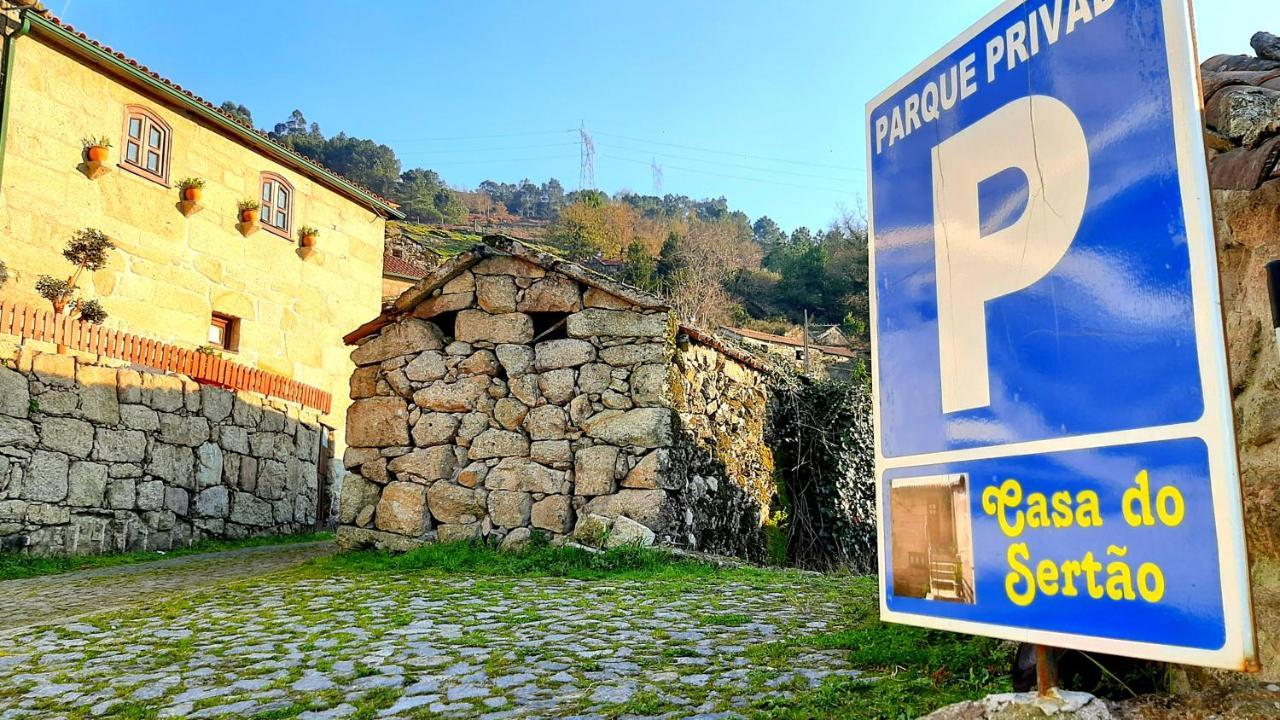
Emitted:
pixel 224 332
pixel 277 204
pixel 146 144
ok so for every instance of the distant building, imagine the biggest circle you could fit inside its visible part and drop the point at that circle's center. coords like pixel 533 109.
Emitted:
pixel 824 360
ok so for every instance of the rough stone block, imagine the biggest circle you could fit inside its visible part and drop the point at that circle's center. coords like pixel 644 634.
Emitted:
pixel 15 432
pixel 213 502
pixel 626 531
pixel 545 422
pixel 510 413
pixel 643 506
pixel 481 362
pixel 15 395
pixel 247 509
pixel 524 475
pixel 121 493
pixel 402 509
pixel 55 370
pixel 649 385
pixel 443 303
pixel 515 359
pixel 87 484
pixel 216 403
pixel 463 282
pixel 597 322
pixel 549 452
pixel 557 386
pixel 510 509
pixel 479 326
pixel 139 417
pixel 46 477
pixel 378 422
pixel 461 532
pixel 498 443
pixel 163 392
pixel 651 472
pixel 66 435
pixel 628 355
pixel 507 265
pixel 129 386
pixel 150 495
pixel 597 298
pixel 563 353
pixel 594 470
pixel 174 463
pixel 554 293
pixel 433 463
pixel 426 367
pixel 99 401
pixel 594 377
pixel 180 430
pixel 496 294
pixel 410 336
pixel 642 427
pixel 554 513
pixel 452 397
pixel 128 446
pixel 176 501
pixel 434 429
pixel 517 539
pixel 525 389
pixel 451 503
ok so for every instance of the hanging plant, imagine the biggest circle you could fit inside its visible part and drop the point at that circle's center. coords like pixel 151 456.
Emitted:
pixel 249 210
pixel 191 188
pixel 95 148
pixel 307 236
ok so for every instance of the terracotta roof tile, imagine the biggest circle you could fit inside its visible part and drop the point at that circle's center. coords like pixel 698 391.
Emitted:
pixel 260 136
pixel 392 265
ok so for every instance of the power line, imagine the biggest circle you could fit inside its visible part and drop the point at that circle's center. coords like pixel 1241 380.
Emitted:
pixel 742 167
pixel 732 154
pixel 484 137
pixel 504 160
pixel 489 149
pixel 587 172
pixel 734 177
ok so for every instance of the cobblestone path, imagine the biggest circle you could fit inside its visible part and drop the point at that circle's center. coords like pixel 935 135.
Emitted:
pixel 301 645
pixel 37 600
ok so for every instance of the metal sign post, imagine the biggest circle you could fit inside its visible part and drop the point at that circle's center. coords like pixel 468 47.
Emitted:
pixel 1055 451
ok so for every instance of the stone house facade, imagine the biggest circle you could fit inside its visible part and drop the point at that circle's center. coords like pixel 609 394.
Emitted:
pixel 177 267
pixel 510 392
pixel 1242 117
pixel 102 457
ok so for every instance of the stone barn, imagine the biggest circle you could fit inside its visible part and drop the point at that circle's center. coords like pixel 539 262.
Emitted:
pixel 512 392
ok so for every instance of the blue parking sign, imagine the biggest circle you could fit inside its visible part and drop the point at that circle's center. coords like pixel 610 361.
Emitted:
pixel 1055 456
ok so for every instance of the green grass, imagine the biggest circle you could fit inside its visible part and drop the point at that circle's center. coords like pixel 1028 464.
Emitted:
pixel 909 671
pixel 14 565
pixel 538 559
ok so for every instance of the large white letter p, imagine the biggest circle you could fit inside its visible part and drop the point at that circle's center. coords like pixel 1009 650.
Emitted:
pixel 1042 137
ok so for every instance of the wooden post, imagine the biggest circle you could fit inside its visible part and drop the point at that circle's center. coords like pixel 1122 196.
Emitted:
pixel 806 341
pixel 1046 670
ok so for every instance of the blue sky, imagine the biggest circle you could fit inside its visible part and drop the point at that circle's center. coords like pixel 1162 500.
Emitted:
pixel 761 102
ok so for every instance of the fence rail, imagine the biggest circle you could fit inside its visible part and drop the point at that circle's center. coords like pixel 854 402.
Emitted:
pixel 40 324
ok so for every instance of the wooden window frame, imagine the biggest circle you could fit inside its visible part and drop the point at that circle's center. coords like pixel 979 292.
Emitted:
pixel 278 184
pixel 230 331
pixel 149 120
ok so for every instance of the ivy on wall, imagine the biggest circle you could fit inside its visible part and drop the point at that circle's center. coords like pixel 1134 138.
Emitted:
pixel 823 438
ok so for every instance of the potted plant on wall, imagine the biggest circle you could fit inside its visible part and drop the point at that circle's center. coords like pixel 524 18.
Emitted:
pixel 307 236
pixel 95 157
pixel 248 215
pixel 96 148
pixel 248 211
pixel 191 188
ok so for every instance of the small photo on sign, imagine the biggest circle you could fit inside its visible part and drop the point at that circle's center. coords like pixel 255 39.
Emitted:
pixel 932 538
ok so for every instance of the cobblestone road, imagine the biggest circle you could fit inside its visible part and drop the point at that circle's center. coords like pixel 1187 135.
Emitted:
pixel 300 645
pixel 31 601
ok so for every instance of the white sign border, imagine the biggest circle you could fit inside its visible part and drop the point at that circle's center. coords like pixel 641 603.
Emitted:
pixel 1215 427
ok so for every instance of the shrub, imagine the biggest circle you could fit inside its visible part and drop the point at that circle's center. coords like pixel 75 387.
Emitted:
pixel 824 453
pixel 87 250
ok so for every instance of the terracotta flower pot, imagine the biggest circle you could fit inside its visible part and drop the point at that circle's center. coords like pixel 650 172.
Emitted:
pixel 191 194
pixel 308 241
pixel 249 216
pixel 97 153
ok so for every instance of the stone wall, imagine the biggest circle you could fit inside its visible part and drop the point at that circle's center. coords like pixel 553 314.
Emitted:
pixel 723 406
pixel 96 459
pixel 1248 232
pixel 516 399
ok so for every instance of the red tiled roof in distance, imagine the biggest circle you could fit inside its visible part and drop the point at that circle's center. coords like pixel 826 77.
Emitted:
pixel 400 267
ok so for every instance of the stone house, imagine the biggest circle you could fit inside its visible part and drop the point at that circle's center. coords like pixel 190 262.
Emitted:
pixel 1242 115
pixel 510 391
pixel 834 361
pixel 184 273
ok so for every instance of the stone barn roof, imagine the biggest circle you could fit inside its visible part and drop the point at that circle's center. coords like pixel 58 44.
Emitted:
pixel 500 246
pixel 1242 116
